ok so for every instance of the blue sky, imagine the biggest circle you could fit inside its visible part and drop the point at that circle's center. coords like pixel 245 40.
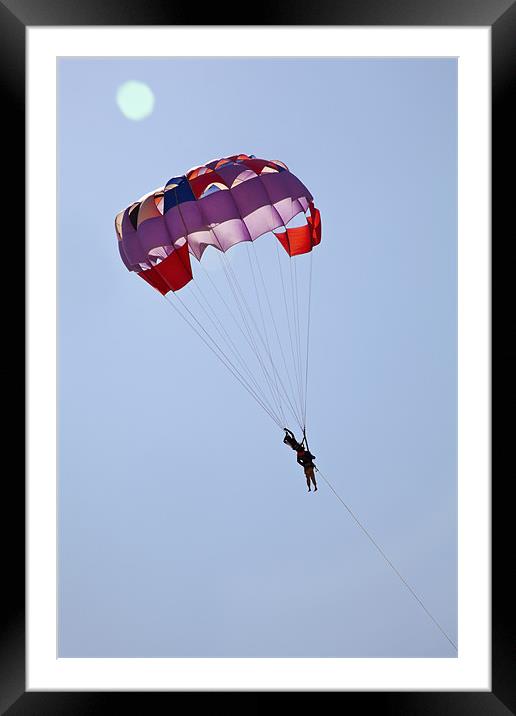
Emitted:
pixel 185 529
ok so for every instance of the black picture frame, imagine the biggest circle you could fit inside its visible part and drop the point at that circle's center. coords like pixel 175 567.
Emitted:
pixel 500 15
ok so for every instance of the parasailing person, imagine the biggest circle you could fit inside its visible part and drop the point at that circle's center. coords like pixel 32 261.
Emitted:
pixel 304 457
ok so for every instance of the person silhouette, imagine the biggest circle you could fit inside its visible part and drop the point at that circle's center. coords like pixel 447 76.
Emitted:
pixel 304 457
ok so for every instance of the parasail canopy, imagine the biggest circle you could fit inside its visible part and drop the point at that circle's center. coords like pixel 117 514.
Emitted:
pixel 164 238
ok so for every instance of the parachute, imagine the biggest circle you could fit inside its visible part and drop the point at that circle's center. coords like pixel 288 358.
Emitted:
pixel 254 311
pixel 250 306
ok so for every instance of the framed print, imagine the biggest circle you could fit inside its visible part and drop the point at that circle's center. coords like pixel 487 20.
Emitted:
pixel 171 543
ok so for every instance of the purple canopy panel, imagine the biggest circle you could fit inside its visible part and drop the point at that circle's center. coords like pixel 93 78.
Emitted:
pixel 152 233
pixel 183 219
pixel 199 240
pixel 279 186
pixel 250 196
pixel 230 233
pixel 264 219
pixel 288 208
pixel 229 173
pixel 130 240
pixel 218 207
pixel 125 258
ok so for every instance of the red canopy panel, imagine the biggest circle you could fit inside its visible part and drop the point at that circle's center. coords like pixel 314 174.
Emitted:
pixel 172 273
pixel 301 239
